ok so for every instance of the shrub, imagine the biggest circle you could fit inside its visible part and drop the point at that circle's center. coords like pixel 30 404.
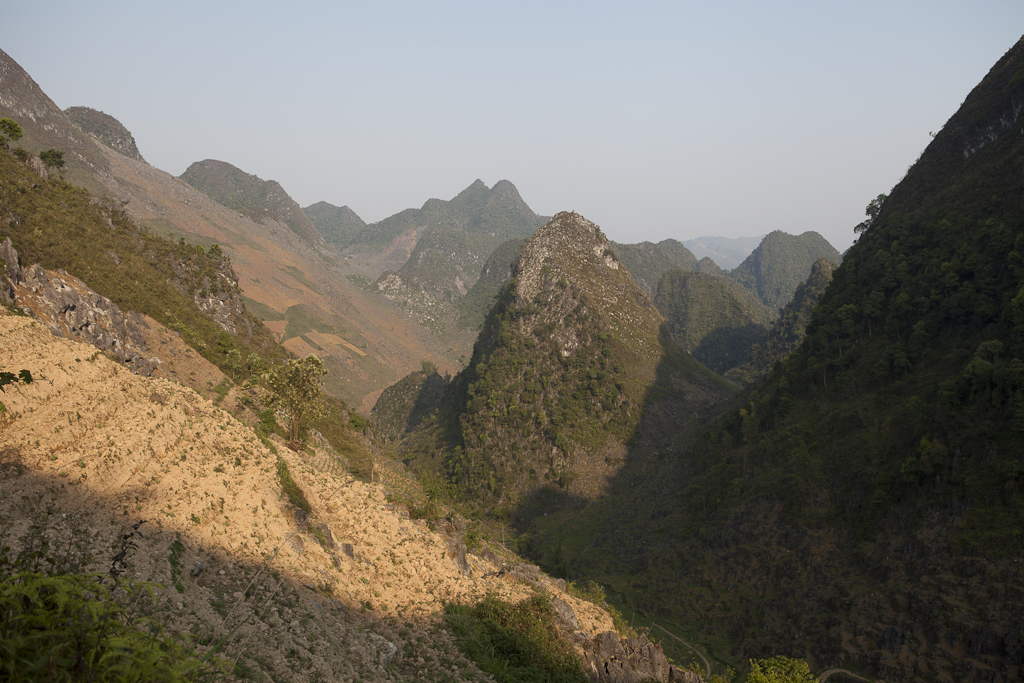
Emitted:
pixel 515 643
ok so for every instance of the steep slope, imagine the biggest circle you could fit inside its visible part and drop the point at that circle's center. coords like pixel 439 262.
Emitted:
pixel 496 271
pixel 350 591
pixel 716 321
pixel 258 199
pixel 312 300
pixel 50 224
pixel 453 241
pixel 787 331
pixel 45 126
pixel 864 507
pixel 780 263
pixel 337 224
pixel 106 129
pixel 570 357
pixel 647 262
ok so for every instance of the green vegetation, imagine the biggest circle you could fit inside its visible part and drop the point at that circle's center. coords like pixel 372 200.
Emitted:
pixel 294 492
pixel 780 263
pixel 493 275
pixel 10 131
pixel 715 321
pixel 515 643
pixel 338 224
pixel 61 227
pixel 52 158
pixel 648 262
pixel 57 625
pixel 295 387
pixel 779 670
pixel 874 477
pixel 787 331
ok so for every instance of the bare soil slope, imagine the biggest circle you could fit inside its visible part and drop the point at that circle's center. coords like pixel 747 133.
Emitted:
pixel 88 449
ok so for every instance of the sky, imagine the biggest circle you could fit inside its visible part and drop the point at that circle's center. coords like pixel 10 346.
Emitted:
pixel 654 120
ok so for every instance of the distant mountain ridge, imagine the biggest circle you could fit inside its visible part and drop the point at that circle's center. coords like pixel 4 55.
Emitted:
pixel 338 224
pixel 647 262
pixel 453 240
pixel 249 195
pixel 780 263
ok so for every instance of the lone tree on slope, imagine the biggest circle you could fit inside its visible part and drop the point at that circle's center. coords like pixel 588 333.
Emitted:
pixel 296 388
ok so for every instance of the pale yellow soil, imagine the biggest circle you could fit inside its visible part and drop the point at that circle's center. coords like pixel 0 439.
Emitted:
pixel 101 448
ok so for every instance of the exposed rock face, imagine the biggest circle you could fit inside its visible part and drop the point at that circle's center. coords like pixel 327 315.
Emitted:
pixel 70 309
pixel 607 659
pixel 218 297
pixel 106 129
pixel 452 531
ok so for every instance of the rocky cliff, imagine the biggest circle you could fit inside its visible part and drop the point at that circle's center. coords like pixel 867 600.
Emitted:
pixel 562 375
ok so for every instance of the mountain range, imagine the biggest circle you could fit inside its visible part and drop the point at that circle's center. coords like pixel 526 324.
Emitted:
pixel 811 454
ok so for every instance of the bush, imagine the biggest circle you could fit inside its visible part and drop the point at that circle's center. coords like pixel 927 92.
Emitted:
pixel 515 643
pixel 69 628
pixel 291 489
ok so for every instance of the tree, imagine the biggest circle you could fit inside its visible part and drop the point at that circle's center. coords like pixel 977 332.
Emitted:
pixel 779 670
pixel 296 388
pixel 872 210
pixel 10 131
pixel 52 158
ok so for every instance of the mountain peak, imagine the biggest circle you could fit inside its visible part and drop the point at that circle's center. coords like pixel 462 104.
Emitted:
pixel 246 193
pixel 106 129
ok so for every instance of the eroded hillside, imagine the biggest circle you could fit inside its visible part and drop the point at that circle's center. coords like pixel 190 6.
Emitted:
pixel 350 591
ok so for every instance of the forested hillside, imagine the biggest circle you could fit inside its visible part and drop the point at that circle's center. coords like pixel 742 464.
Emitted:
pixel 570 357
pixel 862 506
pixel 780 263
pixel 712 318
pixel 787 331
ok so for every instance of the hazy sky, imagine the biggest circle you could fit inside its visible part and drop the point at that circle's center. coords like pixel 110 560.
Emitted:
pixel 652 119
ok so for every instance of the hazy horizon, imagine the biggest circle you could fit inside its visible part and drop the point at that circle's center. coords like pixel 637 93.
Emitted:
pixel 654 120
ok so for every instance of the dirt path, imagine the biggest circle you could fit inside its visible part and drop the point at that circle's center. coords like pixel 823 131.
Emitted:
pixel 707 664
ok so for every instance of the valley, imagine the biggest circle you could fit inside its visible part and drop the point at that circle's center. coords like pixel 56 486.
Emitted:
pixel 737 449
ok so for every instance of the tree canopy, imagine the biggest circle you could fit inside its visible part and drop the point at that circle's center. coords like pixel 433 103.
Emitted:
pixel 296 388
pixel 10 131
pixel 52 158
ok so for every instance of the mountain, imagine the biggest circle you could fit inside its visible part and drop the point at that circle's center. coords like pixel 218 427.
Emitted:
pixel 787 331
pixel 106 129
pixel 187 536
pixel 496 271
pixel 47 127
pixel 647 262
pixel 257 199
pixel 715 320
pixel 337 224
pixel 571 358
pixel 726 252
pixel 861 505
pixel 453 240
pixel 780 263
pixel 313 300
pixel 128 496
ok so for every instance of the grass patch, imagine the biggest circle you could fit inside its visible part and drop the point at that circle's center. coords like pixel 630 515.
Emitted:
pixel 515 643
pixel 291 489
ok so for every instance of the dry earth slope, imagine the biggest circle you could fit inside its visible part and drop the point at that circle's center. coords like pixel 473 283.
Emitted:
pixel 98 448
